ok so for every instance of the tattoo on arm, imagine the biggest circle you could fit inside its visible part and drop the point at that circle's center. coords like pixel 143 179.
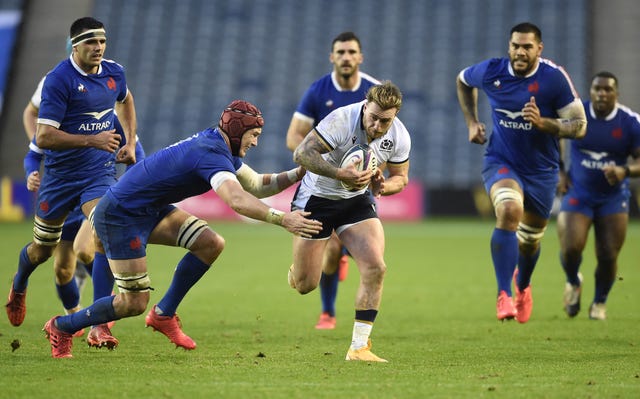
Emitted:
pixel 309 155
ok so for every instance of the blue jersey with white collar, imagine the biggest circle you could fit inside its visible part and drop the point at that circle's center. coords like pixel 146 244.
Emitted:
pixel 80 103
pixel 514 140
pixel 325 95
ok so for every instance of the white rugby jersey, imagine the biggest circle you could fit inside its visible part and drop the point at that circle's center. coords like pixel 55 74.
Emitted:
pixel 340 130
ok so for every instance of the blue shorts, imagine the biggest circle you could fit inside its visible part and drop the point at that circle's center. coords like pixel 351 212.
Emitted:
pixel 58 197
pixel 72 224
pixel 336 213
pixel 125 235
pixel 595 205
pixel 539 190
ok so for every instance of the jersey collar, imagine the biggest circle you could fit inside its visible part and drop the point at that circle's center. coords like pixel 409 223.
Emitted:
pixel 80 71
pixel 609 117
pixel 334 80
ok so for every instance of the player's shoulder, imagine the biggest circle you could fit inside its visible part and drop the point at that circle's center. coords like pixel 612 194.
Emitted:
pixel 111 65
pixel 628 114
pixel 368 80
pixel 323 81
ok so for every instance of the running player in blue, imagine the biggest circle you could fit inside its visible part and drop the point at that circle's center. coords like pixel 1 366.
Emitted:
pixel 76 132
pixel 345 85
pixel 598 193
pixel 533 105
pixel 76 248
pixel 138 210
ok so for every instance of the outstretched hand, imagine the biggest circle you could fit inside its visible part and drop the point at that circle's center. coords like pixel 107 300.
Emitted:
pixel 296 222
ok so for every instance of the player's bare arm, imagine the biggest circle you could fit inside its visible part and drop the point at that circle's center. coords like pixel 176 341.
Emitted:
pixel 29 120
pixel 267 184
pixel 572 123
pixel 468 100
pixel 309 156
pixel 48 137
pixel 296 222
pixel 396 181
pixel 298 130
pixel 127 115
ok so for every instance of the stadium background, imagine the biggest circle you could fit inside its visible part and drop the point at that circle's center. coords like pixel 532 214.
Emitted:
pixel 186 60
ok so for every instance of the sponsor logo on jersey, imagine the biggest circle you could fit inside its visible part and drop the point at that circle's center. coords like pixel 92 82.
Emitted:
pixel 96 126
pixel 533 87
pixel 513 124
pixel 596 160
pixel 81 88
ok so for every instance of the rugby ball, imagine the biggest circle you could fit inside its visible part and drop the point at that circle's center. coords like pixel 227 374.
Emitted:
pixel 363 153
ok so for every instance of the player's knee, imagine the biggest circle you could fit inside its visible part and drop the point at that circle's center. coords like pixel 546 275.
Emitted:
pixel 374 272
pixel 134 304
pixel 134 288
pixel 508 205
pixel 39 254
pixel 304 287
pixel 63 274
pixel 195 235
pixel 213 247
pixel 304 283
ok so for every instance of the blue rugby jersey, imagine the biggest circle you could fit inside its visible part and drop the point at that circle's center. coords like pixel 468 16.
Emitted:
pixel 80 103
pixel 513 139
pixel 325 95
pixel 609 141
pixel 174 173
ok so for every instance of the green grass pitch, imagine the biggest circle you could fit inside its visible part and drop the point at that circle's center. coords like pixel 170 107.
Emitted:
pixel 255 335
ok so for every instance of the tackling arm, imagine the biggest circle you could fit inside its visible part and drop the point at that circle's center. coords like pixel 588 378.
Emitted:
pixel 266 185
pixel 231 192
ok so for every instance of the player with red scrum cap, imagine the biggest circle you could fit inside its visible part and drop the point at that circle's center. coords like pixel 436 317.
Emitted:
pixel 137 211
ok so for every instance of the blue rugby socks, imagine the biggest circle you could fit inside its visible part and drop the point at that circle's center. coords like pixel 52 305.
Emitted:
pixel 526 265
pixel 102 277
pixel 504 252
pixel 69 294
pixel 329 292
pixel 189 270
pixel 100 312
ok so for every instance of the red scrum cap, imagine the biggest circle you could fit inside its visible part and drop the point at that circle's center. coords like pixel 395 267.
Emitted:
pixel 236 119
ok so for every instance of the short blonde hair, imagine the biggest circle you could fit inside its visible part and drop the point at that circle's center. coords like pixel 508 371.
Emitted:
pixel 386 95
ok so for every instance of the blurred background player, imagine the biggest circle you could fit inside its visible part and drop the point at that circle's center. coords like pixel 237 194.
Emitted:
pixel 351 214
pixel 533 104
pixel 345 85
pixel 138 210
pixel 597 193
pixel 75 127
